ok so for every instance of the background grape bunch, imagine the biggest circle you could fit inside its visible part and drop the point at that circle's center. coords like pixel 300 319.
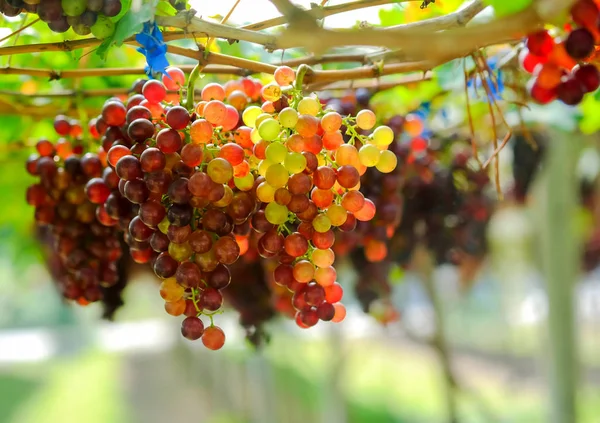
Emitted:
pixel 84 16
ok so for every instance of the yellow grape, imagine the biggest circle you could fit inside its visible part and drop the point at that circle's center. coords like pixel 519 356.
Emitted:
pixel 383 135
pixel 250 114
pixel 261 118
pixel 269 129
pixel 323 258
pixel 337 215
pixel 163 226
pixel 294 162
pixel 288 117
pixel 255 136
pixel 276 152
pixel 276 214
pixel 271 92
pixel 387 162
pixel 265 192
pixel 219 170
pixel 365 119
pixel 321 223
pixel 170 290
pixel 277 176
pixel 309 106
pixel 244 183
pixel 180 252
pixel 369 155
pixel 263 166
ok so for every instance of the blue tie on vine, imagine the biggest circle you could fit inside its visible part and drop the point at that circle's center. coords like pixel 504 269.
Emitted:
pixel 496 85
pixel 154 48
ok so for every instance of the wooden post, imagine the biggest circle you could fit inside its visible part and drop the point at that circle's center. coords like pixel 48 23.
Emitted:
pixel 560 251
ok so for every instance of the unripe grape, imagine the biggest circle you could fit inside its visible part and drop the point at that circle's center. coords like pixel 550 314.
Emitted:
pixel 325 276
pixel 387 162
pixel 277 176
pixel 180 252
pixel 276 214
pixel 321 223
pixel 309 106
pixel 276 152
pixel 365 119
pixel 250 114
pixel 288 117
pixel 340 313
pixel 265 192
pixel 337 215
pixel 263 166
pixel 333 140
pixel 170 290
pixel 201 131
pixel 245 183
pixel 220 170
pixel 346 155
pixel 369 155
pixel 269 129
pixel 383 135
pixel 294 162
pixel 367 211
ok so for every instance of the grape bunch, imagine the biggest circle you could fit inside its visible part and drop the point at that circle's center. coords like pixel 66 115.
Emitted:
pixel 192 189
pixel 84 16
pixel 84 255
pixel 564 67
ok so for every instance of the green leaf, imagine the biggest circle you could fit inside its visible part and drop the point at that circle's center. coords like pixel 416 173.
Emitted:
pixel 164 8
pixel 508 7
pixel 125 6
pixel 131 23
pixel 393 16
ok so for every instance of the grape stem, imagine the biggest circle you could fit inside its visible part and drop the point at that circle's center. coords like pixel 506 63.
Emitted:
pixel 189 104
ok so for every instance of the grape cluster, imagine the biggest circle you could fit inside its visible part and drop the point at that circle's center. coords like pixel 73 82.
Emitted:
pixel 84 16
pixel 564 67
pixel 84 254
pixel 250 166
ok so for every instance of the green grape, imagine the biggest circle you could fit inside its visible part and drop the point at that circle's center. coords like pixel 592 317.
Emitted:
pixel 164 225
pixel 269 129
pixel 265 192
pixel 180 252
pixel 276 214
pixel 276 152
pixel 294 162
pixel 74 7
pixel 387 162
pixel 383 136
pixel 309 106
pixel 288 117
pixel 103 28
pixel 369 155
pixel 277 176
pixel 260 118
pixel 337 215
pixel 250 114
pixel 263 166
pixel 244 183
pixel 255 136
pixel 321 223
pixel 219 170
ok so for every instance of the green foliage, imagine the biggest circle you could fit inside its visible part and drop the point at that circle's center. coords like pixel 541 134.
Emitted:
pixel 510 7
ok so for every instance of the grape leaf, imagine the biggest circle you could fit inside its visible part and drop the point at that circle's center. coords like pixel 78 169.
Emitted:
pixel 393 16
pixel 131 23
pixel 164 8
